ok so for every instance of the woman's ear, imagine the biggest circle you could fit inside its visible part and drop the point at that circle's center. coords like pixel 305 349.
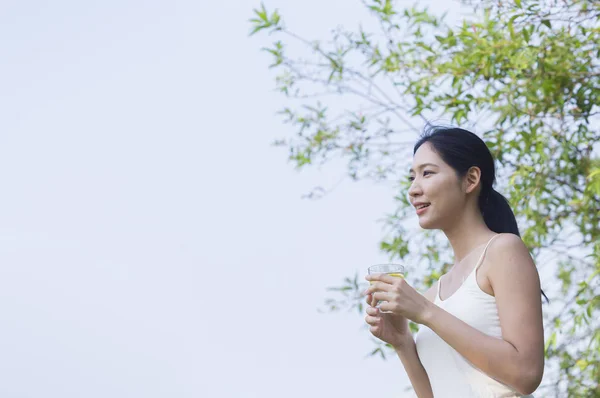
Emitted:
pixel 472 179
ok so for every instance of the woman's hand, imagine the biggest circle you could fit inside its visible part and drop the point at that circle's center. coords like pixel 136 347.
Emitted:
pixel 393 329
pixel 398 298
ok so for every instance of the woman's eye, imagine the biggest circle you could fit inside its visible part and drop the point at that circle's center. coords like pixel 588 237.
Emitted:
pixel 427 173
pixel 411 178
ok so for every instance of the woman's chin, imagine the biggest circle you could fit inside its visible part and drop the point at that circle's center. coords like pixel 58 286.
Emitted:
pixel 425 223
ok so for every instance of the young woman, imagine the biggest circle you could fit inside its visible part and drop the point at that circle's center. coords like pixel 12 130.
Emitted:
pixel 481 332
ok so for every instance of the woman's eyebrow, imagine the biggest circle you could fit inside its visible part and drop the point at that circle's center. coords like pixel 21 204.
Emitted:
pixel 423 165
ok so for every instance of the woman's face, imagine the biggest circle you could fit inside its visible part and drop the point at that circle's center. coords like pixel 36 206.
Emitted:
pixel 436 191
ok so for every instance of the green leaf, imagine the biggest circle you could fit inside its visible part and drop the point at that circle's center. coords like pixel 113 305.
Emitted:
pixel 581 364
pixel 551 342
pixel 535 89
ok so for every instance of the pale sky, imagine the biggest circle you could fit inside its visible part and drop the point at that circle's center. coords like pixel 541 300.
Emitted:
pixel 152 242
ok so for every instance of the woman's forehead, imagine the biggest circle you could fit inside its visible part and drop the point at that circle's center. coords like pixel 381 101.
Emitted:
pixel 425 154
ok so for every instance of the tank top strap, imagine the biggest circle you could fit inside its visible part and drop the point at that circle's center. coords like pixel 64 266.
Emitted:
pixel 480 261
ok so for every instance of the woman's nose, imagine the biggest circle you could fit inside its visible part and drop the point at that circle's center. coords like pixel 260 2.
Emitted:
pixel 414 190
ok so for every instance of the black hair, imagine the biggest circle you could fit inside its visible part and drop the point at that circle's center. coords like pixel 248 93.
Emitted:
pixel 461 150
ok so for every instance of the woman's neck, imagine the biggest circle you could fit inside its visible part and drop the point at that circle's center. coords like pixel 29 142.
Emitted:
pixel 467 233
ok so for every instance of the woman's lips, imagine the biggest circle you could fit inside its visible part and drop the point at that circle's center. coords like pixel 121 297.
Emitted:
pixel 422 210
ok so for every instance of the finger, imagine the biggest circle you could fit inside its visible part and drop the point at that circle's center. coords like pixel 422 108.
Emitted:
pixel 382 296
pixel 373 302
pixel 372 320
pixel 382 278
pixel 387 306
pixel 370 300
pixel 372 311
pixel 378 287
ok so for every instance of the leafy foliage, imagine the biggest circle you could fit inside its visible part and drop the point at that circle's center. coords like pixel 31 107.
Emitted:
pixel 527 74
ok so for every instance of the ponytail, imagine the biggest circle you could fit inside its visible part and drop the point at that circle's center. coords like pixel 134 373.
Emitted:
pixel 462 150
pixel 497 213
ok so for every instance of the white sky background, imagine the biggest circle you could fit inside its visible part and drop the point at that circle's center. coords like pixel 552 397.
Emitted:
pixel 152 242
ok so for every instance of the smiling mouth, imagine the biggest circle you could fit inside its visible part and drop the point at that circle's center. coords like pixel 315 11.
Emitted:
pixel 423 206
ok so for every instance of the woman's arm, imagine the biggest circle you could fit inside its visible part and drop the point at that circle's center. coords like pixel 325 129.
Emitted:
pixel 412 363
pixel 394 330
pixel 414 369
pixel 518 358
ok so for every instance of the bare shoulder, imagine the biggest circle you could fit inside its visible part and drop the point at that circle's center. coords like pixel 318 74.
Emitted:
pixel 515 284
pixel 507 256
pixel 507 240
pixel 507 247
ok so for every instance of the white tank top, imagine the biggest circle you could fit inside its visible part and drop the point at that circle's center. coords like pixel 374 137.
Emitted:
pixel 450 374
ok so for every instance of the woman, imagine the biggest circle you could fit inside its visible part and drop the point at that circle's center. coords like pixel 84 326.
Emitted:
pixel 481 332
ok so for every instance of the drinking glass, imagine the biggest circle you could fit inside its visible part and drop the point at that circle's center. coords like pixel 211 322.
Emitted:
pixel 390 269
pixel 396 270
